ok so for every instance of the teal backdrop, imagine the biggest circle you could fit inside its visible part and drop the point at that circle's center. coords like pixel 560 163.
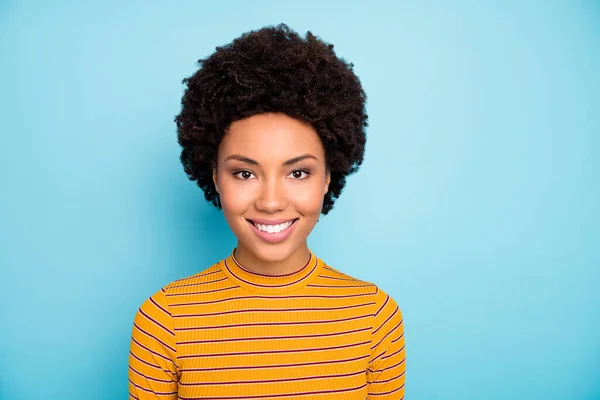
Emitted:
pixel 477 208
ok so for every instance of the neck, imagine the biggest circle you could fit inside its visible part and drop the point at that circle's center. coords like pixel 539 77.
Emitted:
pixel 293 263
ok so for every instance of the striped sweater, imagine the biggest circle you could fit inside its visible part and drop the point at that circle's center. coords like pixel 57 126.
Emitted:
pixel 228 333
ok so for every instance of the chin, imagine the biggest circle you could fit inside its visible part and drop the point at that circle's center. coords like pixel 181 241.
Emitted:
pixel 273 253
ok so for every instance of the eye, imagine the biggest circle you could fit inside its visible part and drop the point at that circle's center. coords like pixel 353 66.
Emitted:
pixel 299 174
pixel 243 175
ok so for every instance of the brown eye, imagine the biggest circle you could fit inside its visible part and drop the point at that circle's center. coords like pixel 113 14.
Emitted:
pixel 244 175
pixel 299 174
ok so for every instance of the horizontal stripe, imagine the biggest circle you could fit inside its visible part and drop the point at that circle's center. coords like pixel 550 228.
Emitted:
pixel 401 335
pixel 272 286
pixel 378 356
pixel 159 307
pixel 147 363
pixel 344 296
pixel 393 354
pixel 336 286
pixel 339 273
pixel 149 318
pixel 273 323
pixel 153 337
pixel 151 391
pixel 386 335
pixel 387 380
pixel 267 310
pixel 149 377
pixel 271 366
pixel 306 378
pixel 204 292
pixel 386 393
pixel 150 350
pixel 386 368
pixel 276 395
pixel 337 278
pixel 209 273
pixel 387 299
pixel 303 329
pixel 251 339
pixel 250 353
pixel 197 283
pixel 196 276
pixel 385 322
pixel 299 272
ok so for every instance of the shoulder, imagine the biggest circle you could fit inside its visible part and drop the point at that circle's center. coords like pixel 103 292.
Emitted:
pixel 380 299
pixel 335 277
pixel 383 303
pixel 195 283
pixel 180 289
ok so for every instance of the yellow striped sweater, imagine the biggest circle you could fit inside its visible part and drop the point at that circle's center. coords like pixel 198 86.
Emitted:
pixel 228 333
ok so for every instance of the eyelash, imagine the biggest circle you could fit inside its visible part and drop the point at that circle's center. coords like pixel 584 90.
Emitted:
pixel 305 171
pixel 237 174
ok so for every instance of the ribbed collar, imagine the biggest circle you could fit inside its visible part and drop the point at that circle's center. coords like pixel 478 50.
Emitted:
pixel 272 284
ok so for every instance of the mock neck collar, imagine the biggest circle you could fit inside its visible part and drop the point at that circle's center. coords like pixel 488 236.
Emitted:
pixel 272 284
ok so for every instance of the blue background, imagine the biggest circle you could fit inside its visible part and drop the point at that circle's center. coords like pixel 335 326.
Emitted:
pixel 477 206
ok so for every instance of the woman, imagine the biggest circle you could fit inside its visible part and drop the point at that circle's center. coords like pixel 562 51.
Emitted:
pixel 270 127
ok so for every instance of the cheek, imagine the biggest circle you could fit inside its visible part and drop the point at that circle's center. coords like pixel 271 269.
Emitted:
pixel 234 198
pixel 309 200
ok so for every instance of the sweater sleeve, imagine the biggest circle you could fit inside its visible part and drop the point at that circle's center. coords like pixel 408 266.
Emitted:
pixel 153 372
pixel 387 366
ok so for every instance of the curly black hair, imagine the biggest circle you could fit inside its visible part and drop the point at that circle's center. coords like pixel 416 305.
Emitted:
pixel 273 70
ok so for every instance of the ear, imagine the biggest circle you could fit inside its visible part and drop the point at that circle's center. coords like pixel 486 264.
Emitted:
pixel 214 178
pixel 327 181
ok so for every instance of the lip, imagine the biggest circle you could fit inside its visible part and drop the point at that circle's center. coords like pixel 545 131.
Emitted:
pixel 273 237
pixel 270 221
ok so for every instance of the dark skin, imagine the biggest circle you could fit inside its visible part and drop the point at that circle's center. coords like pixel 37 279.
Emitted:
pixel 271 167
pixel 301 77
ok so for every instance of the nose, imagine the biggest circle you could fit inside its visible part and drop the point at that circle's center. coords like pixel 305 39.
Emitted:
pixel 272 197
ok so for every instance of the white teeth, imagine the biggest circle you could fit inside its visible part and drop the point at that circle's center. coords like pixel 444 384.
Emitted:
pixel 274 228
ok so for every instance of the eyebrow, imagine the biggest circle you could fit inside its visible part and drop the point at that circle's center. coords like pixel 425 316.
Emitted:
pixel 289 162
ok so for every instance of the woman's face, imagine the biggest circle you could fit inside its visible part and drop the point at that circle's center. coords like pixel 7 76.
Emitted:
pixel 271 178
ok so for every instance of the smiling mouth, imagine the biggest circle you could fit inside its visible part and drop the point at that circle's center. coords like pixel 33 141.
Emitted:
pixel 278 228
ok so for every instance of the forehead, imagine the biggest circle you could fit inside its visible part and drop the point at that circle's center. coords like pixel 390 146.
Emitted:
pixel 271 136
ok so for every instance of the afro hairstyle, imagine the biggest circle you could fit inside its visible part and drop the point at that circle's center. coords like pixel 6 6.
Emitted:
pixel 273 70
